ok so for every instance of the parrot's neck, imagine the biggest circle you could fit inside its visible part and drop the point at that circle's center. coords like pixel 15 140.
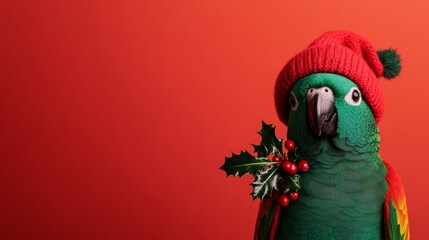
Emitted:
pixel 341 196
pixel 327 152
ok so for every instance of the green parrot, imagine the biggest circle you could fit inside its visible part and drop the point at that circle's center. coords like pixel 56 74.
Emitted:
pixel 349 192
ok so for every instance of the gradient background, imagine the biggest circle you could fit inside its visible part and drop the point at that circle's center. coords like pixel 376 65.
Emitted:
pixel 116 115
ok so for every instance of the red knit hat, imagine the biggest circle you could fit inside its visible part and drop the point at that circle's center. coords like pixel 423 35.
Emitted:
pixel 344 53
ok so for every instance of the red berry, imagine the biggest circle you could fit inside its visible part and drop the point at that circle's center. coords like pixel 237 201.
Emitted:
pixel 277 158
pixel 294 196
pixel 289 167
pixel 284 200
pixel 303 166
pixel 289 145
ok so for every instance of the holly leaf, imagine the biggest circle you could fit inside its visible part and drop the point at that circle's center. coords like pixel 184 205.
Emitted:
pixel 270 144
pixel 265 182
pixel 292 183
pixel 244 163
pixel 267 173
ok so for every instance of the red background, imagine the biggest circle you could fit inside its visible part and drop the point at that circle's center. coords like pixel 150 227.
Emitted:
pixel 116 115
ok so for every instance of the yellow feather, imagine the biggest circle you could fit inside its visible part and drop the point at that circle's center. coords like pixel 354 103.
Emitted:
pixel 402 217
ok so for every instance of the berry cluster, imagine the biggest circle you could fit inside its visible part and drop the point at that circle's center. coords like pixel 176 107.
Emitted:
pixel 277 172
pixel 289 167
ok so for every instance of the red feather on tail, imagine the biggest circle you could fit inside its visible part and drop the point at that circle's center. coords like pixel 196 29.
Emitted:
pixel 396 225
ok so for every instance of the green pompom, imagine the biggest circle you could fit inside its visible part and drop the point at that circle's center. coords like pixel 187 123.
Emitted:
pixel 391 62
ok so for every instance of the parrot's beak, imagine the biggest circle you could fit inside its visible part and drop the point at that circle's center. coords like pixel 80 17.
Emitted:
pixel 322 114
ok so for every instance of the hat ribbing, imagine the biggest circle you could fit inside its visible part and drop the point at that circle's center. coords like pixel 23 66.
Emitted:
pixel 341 52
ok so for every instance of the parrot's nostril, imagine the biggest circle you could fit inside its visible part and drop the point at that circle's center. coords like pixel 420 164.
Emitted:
pixel 326 90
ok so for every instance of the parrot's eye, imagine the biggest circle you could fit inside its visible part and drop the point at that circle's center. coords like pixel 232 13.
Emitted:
pixel 353 97
pixel 293 102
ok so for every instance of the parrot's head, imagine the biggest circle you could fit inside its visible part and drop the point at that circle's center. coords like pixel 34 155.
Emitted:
pixel 329 94
pixel 329 111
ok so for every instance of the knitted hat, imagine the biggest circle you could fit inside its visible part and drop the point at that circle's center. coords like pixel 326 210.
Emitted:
pixel 344 53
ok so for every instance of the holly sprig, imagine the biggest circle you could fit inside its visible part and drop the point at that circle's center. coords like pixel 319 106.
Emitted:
pixel 272 170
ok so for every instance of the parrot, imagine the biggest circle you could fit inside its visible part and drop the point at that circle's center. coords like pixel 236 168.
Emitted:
pixel 349 192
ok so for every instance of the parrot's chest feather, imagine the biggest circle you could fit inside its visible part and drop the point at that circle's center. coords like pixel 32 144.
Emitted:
pixel 340 198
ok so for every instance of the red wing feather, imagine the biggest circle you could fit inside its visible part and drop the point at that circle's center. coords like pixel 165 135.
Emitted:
pixel 395 220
